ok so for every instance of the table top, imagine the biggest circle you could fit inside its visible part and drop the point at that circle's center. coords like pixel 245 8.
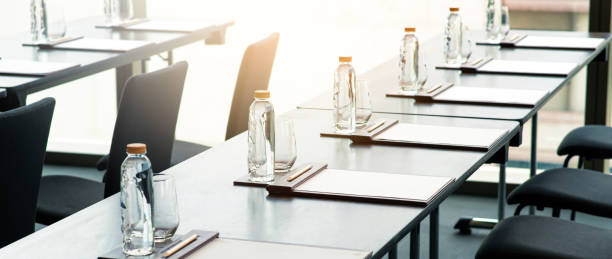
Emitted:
pixel 383 79
pixel 209 201
pixel 92 61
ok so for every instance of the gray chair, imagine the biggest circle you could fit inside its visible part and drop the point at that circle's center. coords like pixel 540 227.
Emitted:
pixel 147 114
pixel 24 132
pixel 254 74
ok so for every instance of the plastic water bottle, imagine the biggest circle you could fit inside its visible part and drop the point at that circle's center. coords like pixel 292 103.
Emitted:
pixel 453 37
pixel 137 201
pixel 261 138
pixel 409 61
pixel 493 26
pixel 345 97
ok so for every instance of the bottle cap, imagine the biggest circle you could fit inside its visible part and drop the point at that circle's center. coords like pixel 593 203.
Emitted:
pixel 454 9
pixel 410 29
pixel 136 148
pixel 345 59
pixel 262 94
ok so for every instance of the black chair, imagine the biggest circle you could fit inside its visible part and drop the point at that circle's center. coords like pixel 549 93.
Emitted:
pixel 587 142
pixel 254 75
pixel 147 114
pixel 565 188
pixel 545 237
pixel 24 132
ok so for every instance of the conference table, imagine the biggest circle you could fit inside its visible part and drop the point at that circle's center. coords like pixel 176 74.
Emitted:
pixel 91 62
pixel 382 79
pixel 208 200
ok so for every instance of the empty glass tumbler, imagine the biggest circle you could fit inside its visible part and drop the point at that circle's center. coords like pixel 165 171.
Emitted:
pixel 505 21
pixel 165 207
pixel 364 104
pixel 286 148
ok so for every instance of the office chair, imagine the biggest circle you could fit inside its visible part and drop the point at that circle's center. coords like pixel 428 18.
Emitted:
pixel 545 237
pixel 575 189
pixel 24 132
pixel 254 74
pixel 147 114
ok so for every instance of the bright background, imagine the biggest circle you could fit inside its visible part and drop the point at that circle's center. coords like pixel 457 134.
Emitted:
pixel 313 34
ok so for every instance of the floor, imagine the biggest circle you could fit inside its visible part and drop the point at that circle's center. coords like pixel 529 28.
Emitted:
pixel 452 244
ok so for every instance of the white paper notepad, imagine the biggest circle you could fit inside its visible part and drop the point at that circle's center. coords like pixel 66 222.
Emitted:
pixel 32 68
pixel 224 248
pixel 559 42
pixel 109 45
pixel 492 95
pixel 528 67
pixel 441 135
pixel 170 26
pixel 417 188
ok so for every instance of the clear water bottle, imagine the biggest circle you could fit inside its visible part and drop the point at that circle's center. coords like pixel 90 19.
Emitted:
pixel 137 201
pixel 493 26
pixel 345 97
pixel 261 138
pixel 47 20
pixel 409 61
pixel 453 37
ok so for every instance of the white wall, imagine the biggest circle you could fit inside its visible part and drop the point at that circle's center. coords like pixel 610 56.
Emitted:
pixel 313 34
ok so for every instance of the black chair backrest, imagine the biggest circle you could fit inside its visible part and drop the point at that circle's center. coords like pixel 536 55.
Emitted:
pixel 147 114
pixel 23 141
pixel 254 75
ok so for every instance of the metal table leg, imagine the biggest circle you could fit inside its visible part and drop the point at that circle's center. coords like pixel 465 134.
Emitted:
pixel 393 252
pixel 414 242
pixel 533 164
pixel 501 192
pixel 434 232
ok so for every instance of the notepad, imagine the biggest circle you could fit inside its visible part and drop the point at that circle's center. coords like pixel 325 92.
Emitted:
pixel 485 95
pixel 209 245
pixel 440 136
pixel 106 45
pixel 374 187
pixel 235 248
pixel 528 67
pixel 559 42
pixel 32 68
pixel 169 26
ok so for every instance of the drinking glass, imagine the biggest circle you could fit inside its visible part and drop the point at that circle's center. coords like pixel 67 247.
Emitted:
pixel 422 77
pixel 126 10
pixel 165 208
pixel 364 104
pixel 55 19
pixel 285 152
pixel 466 45
pixel 505 21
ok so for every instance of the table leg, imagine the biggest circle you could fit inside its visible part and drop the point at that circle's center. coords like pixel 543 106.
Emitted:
pixel 434 231
pixel 414 242
pixel 501 192
pixel 533 163
pixel 393 252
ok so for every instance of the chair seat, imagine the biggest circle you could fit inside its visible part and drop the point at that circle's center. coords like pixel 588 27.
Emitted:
pixel 61 196
pixel 545 237
pixel 567 188
pixel 183 150
pixel 592 141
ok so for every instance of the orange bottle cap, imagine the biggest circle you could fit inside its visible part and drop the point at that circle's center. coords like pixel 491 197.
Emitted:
pixel 345 59
pixel 136 148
